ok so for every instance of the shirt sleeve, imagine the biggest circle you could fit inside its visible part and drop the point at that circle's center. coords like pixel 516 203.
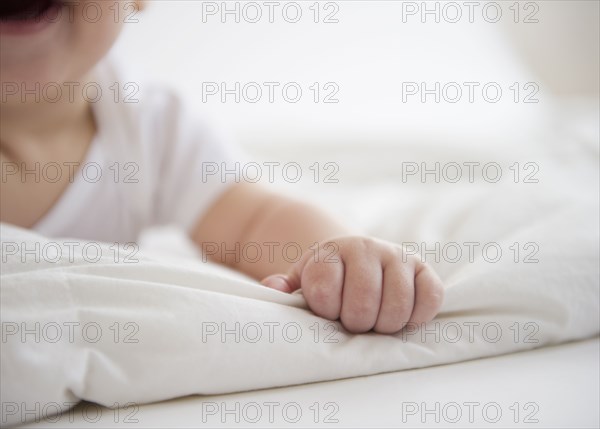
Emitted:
pixel 192 165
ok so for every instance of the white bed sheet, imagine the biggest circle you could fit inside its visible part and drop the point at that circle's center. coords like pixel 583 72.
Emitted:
pixel 557 386
pixel 560 214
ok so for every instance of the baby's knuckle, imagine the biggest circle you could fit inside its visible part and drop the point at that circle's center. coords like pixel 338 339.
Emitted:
pixel 318 293
pixel 358 244
pixel 400 255
pixel 321 268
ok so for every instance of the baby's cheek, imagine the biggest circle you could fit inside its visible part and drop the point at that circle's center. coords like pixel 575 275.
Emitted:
pixel 322 284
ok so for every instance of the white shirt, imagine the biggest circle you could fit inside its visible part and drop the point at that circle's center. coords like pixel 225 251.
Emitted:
pixel 151 156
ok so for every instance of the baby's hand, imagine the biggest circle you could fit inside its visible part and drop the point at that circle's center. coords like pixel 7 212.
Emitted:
pixel 366 283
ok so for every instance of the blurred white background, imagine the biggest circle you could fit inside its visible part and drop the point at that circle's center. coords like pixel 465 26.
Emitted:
pixel 373 48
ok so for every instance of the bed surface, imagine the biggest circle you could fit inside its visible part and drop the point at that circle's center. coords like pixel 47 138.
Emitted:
pixel 557 386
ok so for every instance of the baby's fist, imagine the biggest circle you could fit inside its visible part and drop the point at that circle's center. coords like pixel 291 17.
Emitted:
pixel 366 283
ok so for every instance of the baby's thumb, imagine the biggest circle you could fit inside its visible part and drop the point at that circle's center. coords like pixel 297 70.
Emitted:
pixel 289 282
pixel 280 282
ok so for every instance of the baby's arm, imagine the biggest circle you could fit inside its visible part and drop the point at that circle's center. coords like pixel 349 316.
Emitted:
pixel 364 282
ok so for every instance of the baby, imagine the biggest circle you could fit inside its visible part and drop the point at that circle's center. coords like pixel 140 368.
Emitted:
pixel 63 110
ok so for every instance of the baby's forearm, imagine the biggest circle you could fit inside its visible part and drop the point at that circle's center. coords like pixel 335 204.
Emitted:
pixel 260 233
pixel 296 228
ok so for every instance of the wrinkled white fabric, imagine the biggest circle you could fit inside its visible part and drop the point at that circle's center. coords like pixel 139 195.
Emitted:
pixel 171 317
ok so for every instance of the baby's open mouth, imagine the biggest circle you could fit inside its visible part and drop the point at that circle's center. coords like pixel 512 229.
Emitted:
pixel 26 10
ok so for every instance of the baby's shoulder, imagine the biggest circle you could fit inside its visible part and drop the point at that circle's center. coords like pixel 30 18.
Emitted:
pixel 146 112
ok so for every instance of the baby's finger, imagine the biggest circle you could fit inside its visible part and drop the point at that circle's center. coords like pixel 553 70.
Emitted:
pixel 429 294
pixel 398 296
pixel 279 282
pixel 322 284
pixel 362 293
